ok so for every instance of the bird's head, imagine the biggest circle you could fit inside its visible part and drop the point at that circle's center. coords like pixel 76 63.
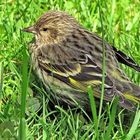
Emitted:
pixel 52 27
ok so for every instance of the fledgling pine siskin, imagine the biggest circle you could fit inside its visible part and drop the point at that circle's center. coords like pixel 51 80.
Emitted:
pixel 67 58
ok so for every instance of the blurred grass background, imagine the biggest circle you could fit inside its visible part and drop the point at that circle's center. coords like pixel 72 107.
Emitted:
pixel 121 24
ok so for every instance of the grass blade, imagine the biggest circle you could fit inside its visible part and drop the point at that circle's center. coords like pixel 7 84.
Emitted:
pixel 93 110
pixel 103 61
pixel 134 126
pixel 44 118
pixel 1 82
pixel 22 129
pixel 112 118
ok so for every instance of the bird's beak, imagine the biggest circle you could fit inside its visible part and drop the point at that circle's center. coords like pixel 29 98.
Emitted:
pixel 30 29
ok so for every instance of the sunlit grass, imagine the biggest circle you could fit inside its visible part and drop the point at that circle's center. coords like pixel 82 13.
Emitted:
pixel 120 23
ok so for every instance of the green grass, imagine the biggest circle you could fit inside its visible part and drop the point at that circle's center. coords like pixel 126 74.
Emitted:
pixel 117 21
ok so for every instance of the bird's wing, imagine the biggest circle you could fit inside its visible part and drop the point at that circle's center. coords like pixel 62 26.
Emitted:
pixel 124 59
pixel 80 75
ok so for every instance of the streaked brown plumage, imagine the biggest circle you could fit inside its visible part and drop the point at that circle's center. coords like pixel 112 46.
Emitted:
pixel 67 58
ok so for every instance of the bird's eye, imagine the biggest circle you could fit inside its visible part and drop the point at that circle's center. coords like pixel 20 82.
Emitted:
pixel 45 29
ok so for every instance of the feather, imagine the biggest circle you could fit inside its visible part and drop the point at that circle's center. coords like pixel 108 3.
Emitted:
pixel 124 59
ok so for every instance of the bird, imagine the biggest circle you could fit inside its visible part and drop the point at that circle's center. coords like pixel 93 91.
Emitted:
pixel 67 58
